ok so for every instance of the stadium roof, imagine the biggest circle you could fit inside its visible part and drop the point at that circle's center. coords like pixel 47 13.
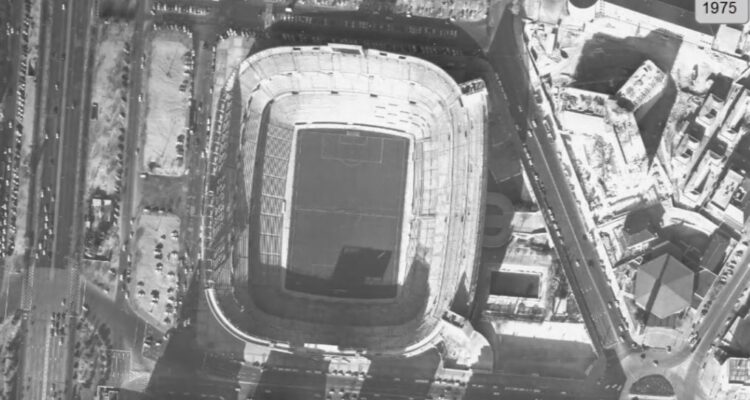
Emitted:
pixel 663 286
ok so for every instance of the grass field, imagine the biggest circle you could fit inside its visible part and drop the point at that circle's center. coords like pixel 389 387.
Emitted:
pixel 347 209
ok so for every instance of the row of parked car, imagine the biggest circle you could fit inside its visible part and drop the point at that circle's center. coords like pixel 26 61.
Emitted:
pixel 180 8
pixel 12 155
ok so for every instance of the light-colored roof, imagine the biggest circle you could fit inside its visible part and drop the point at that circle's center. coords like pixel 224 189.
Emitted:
pixel 663 286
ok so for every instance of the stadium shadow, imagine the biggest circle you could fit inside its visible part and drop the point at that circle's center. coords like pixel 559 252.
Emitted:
pixel 257 286
pixel 606 74
pixel 291 377
pixel 187 371
pixel 328 320
pixel 414 376
pixel 392 33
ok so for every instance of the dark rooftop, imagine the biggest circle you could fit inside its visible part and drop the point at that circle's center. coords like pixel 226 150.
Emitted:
pixel 714 254
pixel 514 284
pixel 720 87
pixel 583 3
pixel 703 283
pixel 667 12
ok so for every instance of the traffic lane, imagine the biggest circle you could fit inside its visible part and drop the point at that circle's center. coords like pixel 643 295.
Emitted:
pixel 60 365
pixel 541 386
pixel 68 161
pixel 37 364
pixel 182 388
pixel 52 112
pixel 724 304
pixel 589 268
pixel 580 282
pixel 129 188
pixel 396 386
pixel 715 322
pixel 589 261
pixel 281 385
pixel 506 58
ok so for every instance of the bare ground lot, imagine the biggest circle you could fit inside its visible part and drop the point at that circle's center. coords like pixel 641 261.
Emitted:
pixel 166 97
pixel 156 262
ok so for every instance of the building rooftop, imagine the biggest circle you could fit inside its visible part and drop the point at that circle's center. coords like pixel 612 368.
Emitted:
pixel 645 83
pixel 703 283
pixel 738 370
pixel 663 286
pixel 667 12
pixel 515 284
pixel 714 254
pixel 528 223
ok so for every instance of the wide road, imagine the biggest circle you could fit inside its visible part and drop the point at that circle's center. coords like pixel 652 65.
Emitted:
pixel 713 326
pixel 57 174
pixel 587 277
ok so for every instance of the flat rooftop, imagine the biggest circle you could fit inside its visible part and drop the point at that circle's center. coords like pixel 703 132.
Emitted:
pixel 514 284
pixel 347 212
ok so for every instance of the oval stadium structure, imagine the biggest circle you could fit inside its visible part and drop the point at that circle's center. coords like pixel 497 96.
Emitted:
pixel 344 199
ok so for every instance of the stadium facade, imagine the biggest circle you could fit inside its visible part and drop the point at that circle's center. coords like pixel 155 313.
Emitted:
pixel 344 199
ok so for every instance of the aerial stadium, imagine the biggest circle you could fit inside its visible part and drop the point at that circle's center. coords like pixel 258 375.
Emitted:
pixel 344 199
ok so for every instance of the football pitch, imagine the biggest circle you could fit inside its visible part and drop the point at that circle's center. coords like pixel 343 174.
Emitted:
pixel 347 210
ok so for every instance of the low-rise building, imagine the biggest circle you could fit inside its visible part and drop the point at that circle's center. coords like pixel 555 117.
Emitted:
pixel 643 85
pixel 519 286
pixel 663 286
pixel 738 371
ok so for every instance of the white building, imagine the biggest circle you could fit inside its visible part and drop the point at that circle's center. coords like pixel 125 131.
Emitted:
pixel 646 83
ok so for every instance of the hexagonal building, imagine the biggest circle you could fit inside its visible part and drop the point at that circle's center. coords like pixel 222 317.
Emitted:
pixel 345 196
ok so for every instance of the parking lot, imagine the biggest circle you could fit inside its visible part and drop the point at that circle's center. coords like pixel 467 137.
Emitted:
pixel 154 280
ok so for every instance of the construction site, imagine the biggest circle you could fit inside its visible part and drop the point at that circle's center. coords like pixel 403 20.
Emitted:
pixel 414 135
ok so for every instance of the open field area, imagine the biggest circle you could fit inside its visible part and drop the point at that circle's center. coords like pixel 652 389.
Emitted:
pixel 346 213
pixel 156 263
pixel 166 97
pixel 109 93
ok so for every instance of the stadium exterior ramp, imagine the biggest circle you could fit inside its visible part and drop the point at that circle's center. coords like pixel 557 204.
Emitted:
pixel 265 103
